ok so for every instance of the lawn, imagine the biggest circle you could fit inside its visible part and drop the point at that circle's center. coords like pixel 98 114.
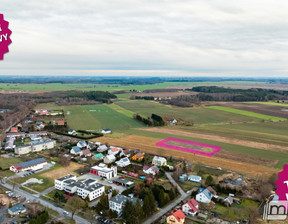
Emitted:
pixel 5 163
pixel 270 103
pixel 247 113
pixel 197 115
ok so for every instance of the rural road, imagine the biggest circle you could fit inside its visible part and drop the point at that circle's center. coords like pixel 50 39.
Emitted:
pixel 169 207
pixel 46 204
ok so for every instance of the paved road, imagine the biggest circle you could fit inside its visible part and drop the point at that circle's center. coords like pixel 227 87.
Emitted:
pixel 47 204
pixel 169 207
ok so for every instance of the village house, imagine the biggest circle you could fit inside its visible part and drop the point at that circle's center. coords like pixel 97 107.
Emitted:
pixel 103 171
pixel 173 121
pixel 153 170
pixel 109 159
pixel 125 153
pixel 117 203
pixel 159 161
pixel 191 207
pixel 72 132
pixel 177 217
pixel 61 123
pixel 86 152
pixel 76 151
pixel 138 156
pixel 114 151
pixel 123 162
pixel 106 131
pixel 14 129
pixel 102 148
pixel 16 210
pixel 98 156
pixel 9 143
pixel 82 144
pixel 205 195
pixel 35 164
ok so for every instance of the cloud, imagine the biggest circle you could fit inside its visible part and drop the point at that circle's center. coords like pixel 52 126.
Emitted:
pixel 192 37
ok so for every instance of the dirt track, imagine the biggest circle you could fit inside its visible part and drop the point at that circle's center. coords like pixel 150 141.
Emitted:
pixel 235 141
pixel 147 144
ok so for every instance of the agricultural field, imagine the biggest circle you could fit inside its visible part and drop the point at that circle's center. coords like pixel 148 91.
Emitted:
pixel 262 111
pixel 231 109
pixel 197 115
pixel 254 165
pixel 14 87
pixel 94 117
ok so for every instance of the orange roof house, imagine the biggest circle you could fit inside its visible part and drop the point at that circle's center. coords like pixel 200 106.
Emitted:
pixel 14 129
pixel 138 157
pixel 61 122
pixel 177 217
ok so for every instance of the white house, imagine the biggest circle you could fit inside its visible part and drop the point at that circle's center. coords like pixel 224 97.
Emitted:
pixel 204 195
pixel 117 203
pixel 72 132
pixel 35 164
pixel 173 121
pixel 123 162
pixel 106 131
pixel 82 144
pixel 151 170
pixel 102 148
pixel 76 151
pixel 103 171
pixel 159 161
pixel 16 210
pixel 109 159
pixel 191 207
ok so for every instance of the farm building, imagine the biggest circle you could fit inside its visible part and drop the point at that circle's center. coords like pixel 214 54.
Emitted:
pixel 16 210
pixel 177 217
pixel 123 162
pixel 194 178
pixel 191 207
pixel 159 161
pixel 103 171
pixel 35 164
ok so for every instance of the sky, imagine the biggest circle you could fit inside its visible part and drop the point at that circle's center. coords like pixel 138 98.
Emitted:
pixel 147 37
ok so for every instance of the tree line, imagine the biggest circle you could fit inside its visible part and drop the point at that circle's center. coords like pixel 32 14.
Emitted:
pixel 154 120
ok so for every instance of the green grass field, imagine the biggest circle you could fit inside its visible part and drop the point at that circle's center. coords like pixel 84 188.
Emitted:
pixel 109 87
pixel 247 113
pixel 5 163
pixel 280 157
pixel 271 103
pixel 93 117
pixel 197 115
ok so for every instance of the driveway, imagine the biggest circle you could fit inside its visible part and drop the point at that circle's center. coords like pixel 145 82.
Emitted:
pixel 169 207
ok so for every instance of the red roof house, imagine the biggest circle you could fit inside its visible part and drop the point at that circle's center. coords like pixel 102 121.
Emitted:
pixel 177 217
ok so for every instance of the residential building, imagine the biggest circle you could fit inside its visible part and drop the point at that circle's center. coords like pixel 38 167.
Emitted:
pixel 82 144
pixel 138 156
pixel 191 207
pixel 102 148
pixel 76 151
pixel 98 156
pixel 103 171
pixel 36 146
pixel 114 151
pixel 173 121
pixel 109 159
pixel 16 210
pixel 86 152
pixel 117 203
pixel 72 132
pixel 153 170
pixel 35 164
pixel 35 137
pixel 159 161
pixel 61 123
pixel 177 217
pixel 126 153
pixel 106 131
pixel 61 182
pixel 14 129
pixel 194 178
pixel 123 162
pixel 9 143
pixel 204 195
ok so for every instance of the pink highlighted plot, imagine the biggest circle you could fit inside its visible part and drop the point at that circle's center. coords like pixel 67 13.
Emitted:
pixel 189 146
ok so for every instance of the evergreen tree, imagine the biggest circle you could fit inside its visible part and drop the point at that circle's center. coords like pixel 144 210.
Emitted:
pixel 209 180
pixel 129 212
pixel 139 213
pixel 171 194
